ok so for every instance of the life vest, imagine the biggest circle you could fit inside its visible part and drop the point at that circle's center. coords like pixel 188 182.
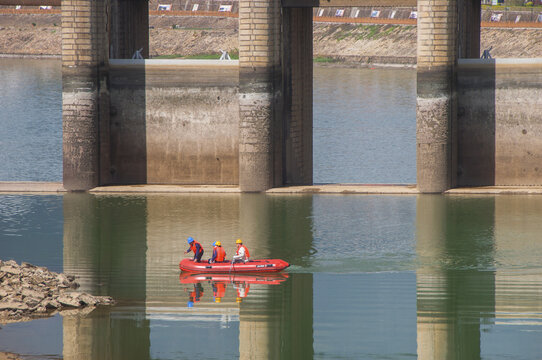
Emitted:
pixel 194 248
pixel 242 290
pixel 220 254
pixel 247 254
pixel 196 295
pixel 220 289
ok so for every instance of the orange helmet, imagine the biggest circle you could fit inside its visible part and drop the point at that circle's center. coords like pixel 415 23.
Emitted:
pixel 238 241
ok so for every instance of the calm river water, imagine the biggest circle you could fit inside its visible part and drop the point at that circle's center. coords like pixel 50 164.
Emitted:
pixel 372 277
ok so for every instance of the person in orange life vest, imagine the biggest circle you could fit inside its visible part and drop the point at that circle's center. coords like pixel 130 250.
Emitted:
pixel 214 250
pixel 242 253
pixel 219 290
pixel 219 255
pixel 196 248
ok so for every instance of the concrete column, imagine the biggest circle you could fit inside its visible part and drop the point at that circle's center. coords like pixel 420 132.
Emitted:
pixel 297 80
pixel 437 57
pixel 129 28
pixel 84 59
pixel 469 29
pixel 259 93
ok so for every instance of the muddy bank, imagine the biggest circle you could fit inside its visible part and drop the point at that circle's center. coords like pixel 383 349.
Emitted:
pixel 28 292
pixel 9 356
pixel 185 36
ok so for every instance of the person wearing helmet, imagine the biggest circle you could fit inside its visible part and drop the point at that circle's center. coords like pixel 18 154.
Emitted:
pixel 242 253
pixel 196 248
pixel 219 255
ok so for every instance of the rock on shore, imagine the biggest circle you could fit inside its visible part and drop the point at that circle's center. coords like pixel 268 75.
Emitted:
pixel 28 291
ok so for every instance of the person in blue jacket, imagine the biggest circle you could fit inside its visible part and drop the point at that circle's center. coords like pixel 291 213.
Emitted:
pixel 196 248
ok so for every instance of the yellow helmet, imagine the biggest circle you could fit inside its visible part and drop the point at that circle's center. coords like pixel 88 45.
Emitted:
pixel 217 300
pixel 218 243
pixel 238 241
pixel 239 299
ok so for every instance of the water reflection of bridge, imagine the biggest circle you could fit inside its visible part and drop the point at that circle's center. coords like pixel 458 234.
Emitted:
pixel 459 300
pixel 137 263
pixel 463 245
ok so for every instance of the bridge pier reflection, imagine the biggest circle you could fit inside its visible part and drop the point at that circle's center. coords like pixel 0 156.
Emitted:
pixel 279 327
pixel 129 248
pixel 455 292
pixel 105 266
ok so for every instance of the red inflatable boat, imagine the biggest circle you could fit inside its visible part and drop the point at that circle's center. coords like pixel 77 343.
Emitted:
pixel 252 266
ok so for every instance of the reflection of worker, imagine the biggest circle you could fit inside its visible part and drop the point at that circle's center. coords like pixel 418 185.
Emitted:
pixel 242 290
pixel 219 254
pixel 242 253
pixel 196 248
pixel 195 295
pixel 219 290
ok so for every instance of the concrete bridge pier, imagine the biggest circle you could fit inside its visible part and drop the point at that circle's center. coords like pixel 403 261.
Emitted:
pixel 437 43
pixel 275 95
pixel 84 77
pixel 91 29
pixel 447 30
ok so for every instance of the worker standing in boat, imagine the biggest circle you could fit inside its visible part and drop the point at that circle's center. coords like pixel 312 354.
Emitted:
pixel 242 253
pixel 219 254
pixel 196 248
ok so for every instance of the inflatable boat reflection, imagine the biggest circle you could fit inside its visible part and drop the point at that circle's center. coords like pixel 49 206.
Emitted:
pixel 219 282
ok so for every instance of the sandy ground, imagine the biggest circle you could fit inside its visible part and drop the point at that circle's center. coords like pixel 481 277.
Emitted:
pixel 9 356
pixel 41 34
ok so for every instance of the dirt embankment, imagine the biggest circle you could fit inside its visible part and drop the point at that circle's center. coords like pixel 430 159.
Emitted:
pixel 169 35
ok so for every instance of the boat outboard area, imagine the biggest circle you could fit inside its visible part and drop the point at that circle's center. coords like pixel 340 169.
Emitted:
pixel 251 266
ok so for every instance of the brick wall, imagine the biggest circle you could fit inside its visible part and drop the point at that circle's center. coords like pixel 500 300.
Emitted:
pixel 83 32
pixel 437 27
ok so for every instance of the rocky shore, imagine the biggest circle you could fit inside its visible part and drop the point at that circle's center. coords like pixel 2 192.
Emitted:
pixel 28 292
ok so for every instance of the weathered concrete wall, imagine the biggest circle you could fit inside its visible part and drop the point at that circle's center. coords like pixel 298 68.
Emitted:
pixel 174 122
pixel 499 127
